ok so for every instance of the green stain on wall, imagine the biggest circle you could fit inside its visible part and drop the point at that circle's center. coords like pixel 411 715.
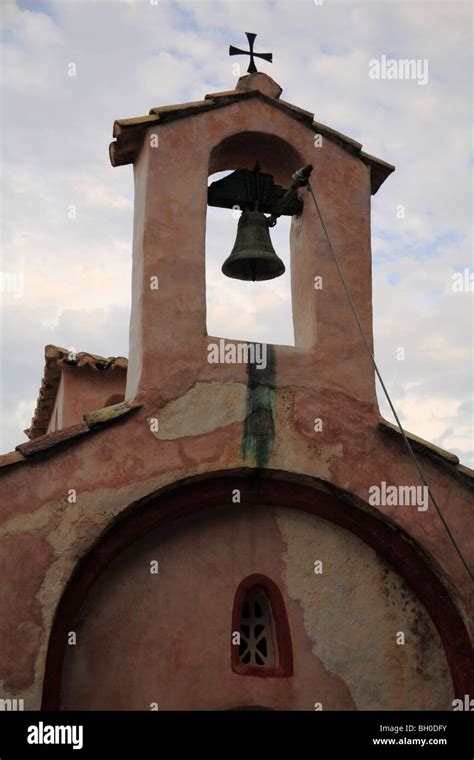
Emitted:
pixel 259 427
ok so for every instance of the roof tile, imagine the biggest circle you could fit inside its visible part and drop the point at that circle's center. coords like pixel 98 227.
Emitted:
pixel 44 442
pixel 55 357
pixel 108 413
pixel 130 132
pixel 13 457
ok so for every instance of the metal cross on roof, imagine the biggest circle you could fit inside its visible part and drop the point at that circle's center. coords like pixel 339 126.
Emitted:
pixel 252 69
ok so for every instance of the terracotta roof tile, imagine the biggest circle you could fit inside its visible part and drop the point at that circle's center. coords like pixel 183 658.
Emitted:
pixel 13 457
pixel 93 422
pixel 43 442
pixel 130 133
pixel 190 108
pixel 121 125
pixel 301 112
pixel 224 94
pixel 332 134
pixel 108 413
pixel 55 357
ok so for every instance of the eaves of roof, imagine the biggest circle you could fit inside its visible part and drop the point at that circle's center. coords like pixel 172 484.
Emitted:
pixel 53 442
pixel 129 133
pixel 438 455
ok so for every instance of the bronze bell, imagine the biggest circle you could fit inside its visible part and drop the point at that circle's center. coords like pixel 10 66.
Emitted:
pixel 253 256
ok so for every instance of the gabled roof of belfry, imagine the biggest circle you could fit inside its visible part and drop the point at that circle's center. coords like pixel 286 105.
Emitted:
pixel 129 133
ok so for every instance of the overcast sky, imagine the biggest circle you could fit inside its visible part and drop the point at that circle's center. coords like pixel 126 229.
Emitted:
pixel 133 55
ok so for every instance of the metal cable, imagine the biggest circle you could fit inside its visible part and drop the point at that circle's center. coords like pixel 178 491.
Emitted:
pixel 387 396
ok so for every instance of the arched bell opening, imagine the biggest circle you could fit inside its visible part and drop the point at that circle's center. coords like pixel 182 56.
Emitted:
pixel 248 262
pixel 243 149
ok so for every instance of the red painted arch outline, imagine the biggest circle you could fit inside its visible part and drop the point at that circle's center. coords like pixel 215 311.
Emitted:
pixel 268 488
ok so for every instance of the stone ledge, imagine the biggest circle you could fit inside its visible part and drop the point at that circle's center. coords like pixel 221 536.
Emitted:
pixel 93 421
pixel 100 417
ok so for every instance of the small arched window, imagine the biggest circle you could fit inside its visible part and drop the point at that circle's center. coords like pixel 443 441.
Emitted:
pixel 263 644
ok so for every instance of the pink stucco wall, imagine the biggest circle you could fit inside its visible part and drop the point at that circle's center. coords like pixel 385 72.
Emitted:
pixel 232 138
pixel 178 623
pixel 204 416
pixel 81 390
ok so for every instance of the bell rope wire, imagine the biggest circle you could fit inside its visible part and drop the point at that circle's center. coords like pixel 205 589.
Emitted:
pixel 309 187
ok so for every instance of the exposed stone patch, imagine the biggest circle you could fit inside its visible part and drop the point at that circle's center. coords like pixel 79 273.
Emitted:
pixel 204 408
pixel 353 612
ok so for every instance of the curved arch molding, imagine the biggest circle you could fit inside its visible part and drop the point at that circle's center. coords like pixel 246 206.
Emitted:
pixel 267 488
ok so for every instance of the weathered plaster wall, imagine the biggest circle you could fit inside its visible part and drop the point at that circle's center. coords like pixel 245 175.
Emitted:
pixel 353 612
pixel 84 390
pixel 218 417
pixel 169 242
pixel 165 638
pixel 114 467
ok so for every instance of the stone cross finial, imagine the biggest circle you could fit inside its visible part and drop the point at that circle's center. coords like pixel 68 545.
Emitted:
pixel 252 69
